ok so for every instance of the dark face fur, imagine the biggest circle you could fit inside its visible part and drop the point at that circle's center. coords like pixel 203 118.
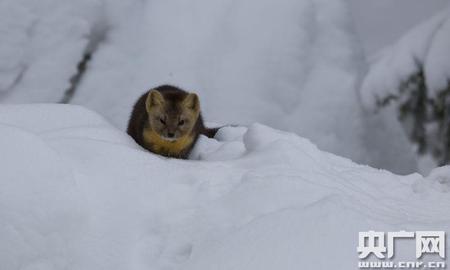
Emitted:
pixel 172 118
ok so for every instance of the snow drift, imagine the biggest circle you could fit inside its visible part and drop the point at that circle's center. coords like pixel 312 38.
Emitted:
pixel 76 193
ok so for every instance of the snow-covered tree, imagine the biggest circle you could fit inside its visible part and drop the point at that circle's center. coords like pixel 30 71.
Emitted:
pixel 414 75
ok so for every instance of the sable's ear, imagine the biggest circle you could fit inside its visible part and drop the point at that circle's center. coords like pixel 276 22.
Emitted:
pixel 154 99
pixel 192 102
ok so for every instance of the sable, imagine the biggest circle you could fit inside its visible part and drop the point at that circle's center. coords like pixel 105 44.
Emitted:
pixel 167 121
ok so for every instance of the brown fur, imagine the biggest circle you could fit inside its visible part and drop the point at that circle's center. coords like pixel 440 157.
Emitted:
pixel 157 115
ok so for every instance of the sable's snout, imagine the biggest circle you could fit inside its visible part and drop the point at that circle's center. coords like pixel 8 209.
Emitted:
pixel 170 130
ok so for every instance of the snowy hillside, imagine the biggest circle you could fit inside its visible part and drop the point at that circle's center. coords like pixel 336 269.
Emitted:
pixel 77 193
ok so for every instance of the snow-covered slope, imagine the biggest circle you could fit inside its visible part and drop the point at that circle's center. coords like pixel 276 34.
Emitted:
pixel 76 193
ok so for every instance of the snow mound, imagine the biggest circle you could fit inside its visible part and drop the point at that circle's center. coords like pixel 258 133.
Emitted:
pixel 41 209
pixel 79 194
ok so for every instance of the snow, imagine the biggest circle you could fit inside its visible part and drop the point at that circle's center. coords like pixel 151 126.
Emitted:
pixel 77 193
pixel 424 46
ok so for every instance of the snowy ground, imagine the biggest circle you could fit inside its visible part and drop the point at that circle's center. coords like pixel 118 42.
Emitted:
pixel 79 194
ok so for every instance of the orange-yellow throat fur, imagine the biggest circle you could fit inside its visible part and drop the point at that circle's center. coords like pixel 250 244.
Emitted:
pixel 160 145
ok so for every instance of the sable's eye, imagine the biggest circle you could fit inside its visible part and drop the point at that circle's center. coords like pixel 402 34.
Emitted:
pixel 181 122
pixel 162 121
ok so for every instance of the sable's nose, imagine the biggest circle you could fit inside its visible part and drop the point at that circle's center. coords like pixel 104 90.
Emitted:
pixel 170 134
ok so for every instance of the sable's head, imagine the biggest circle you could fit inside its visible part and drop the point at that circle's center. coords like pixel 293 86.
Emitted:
pixel 172 115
